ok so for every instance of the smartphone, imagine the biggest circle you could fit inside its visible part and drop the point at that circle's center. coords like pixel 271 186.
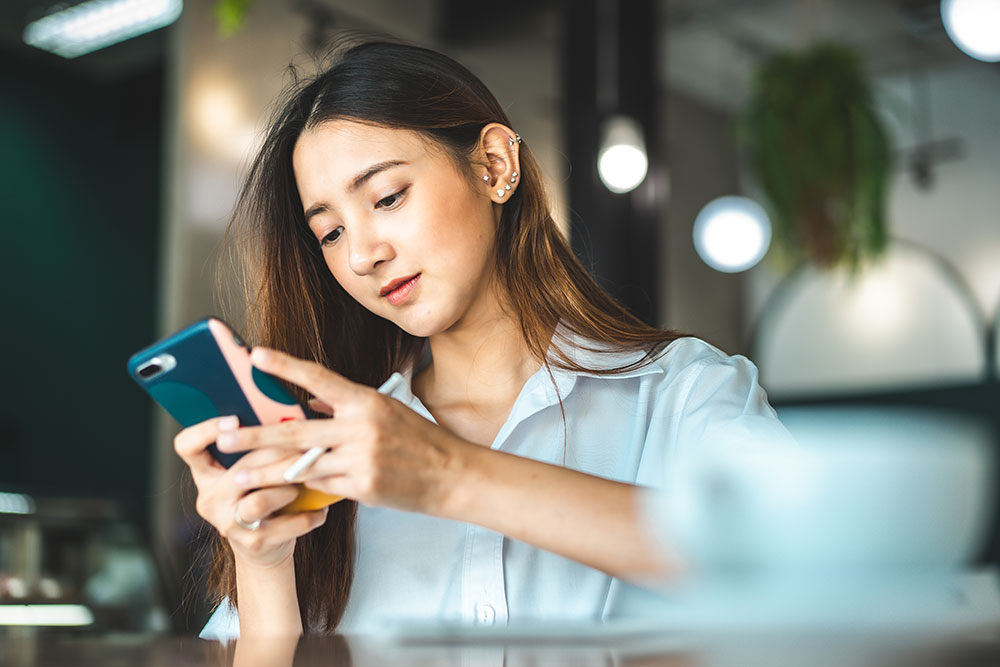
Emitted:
pixel 204 371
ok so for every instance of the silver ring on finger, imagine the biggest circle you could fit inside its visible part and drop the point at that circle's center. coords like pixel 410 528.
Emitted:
pixel 254 525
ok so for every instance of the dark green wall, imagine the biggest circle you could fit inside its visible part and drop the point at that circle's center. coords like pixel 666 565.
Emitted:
pixel 79 212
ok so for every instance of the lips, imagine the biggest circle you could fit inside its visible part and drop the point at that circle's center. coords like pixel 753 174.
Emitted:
pixel 395 284
pixel 399 292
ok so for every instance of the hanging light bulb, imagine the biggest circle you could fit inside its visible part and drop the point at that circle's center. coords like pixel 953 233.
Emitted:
pixel 622 161
pixel 732 234
pixel 974 26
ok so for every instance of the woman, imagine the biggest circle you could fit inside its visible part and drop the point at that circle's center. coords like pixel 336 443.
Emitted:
pixel 394 224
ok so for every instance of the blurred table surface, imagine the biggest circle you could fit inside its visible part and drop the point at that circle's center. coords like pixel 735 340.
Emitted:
pixel 26 647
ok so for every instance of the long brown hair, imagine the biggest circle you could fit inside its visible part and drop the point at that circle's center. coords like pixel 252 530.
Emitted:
pixel 293 302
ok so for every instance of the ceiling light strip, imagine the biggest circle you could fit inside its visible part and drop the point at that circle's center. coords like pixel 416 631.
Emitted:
pixel 95 24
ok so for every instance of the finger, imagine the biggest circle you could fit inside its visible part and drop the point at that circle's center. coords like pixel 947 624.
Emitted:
pixel 314 378
pixel 283 527
pixel 261 504
pixel 218 495
pixel 321 406
pixel 342 485
pixel 273 474
pixel 263 456
pixel 298 434
pixel 191 444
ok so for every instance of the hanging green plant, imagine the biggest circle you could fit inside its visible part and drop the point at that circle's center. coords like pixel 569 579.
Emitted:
pixel 231 15
pixel 821 155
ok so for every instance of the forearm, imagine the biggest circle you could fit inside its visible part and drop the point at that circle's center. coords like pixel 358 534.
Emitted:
pixel 591 520
pixel 267 601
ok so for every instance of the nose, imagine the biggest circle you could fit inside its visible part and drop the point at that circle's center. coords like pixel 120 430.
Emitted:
pixel 367 250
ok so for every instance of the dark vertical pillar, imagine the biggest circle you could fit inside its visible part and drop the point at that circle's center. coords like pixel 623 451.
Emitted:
pixel 614 235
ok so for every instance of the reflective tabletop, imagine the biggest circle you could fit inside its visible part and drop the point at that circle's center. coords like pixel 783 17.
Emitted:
pixel 30 648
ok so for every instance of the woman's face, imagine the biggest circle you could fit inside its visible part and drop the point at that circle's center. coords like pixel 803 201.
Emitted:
pixel 403 231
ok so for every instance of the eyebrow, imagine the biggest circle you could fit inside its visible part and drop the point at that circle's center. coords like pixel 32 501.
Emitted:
pixel 358 181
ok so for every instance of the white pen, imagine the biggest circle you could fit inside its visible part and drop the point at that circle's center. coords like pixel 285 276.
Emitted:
pixel 305 461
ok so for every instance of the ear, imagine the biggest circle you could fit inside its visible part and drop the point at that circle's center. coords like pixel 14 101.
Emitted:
pixel 501 146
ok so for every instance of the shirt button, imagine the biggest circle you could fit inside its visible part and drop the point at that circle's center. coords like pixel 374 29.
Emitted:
pixel 485 614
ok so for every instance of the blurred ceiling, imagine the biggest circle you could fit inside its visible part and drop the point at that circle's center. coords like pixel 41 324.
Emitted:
pixel 115 62
pixel 713 46
pixel 709 50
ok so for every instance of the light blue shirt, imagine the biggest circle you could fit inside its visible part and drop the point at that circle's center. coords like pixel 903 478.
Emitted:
pixel 628 427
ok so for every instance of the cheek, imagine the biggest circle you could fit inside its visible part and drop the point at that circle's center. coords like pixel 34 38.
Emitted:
pixel 461 232
pixel 347 279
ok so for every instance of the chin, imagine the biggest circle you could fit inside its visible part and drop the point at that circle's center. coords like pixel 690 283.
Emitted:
pixel 424 326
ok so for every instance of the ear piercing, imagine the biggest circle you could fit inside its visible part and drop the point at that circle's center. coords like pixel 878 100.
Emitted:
pixel 513 178
pixel 486 179
pixel 517 137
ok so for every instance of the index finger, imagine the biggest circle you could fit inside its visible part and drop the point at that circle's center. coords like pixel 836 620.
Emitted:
pixel 314 378
pixel 191 444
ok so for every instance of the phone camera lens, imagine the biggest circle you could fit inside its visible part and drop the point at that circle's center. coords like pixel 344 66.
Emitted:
pixel 149 370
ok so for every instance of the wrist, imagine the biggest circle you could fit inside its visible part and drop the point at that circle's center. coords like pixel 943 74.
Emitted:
pixel 277 563
pixel 267 602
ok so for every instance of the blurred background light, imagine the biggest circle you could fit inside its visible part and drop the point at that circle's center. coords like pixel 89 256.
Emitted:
pixel 622 161
pixel 221 118
pixel 877 300
pixel 16 503
pixel 45 614
pixel 93 25
pixel 732 234
pixel 974 26
pixel 902 323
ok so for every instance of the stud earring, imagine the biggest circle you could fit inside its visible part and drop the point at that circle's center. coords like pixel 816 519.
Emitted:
pixel 506 187
pixel 513 177
pixel 486 179
pixel 500 193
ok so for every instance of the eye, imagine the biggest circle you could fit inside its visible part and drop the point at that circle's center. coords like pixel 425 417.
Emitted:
pixel 391 200
pixel 332 237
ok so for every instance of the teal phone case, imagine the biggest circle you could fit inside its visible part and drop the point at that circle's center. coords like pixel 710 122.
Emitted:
pixel 202 385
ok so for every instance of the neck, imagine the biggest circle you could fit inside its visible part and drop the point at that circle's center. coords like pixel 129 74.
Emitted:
pixel 481 362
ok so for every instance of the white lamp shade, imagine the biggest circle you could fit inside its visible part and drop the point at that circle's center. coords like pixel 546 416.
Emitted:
pixel 732 234
pixel 622 163
pixel 974 26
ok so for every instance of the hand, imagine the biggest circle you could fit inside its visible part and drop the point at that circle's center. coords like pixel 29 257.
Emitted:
pixel 380 452
pixel 220 497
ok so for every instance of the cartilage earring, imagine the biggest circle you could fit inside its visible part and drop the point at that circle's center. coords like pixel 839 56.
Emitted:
pixel 486 179
pixel 506 187
pixel 513 177
pixel 500 193
pixel 518 137
pixel 511 141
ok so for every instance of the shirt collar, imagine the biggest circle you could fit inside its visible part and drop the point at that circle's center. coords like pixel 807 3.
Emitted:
pixel 598 356
pixel 590 354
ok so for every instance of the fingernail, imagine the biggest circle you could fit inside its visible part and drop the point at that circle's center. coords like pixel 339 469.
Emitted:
pixel 230 423
pixel 260 355
pixel 227 440
pixel 242 478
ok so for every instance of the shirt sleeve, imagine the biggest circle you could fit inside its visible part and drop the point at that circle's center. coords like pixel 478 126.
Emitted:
pixel 223 625
pixel 724 406
pixel 705 402
pixel 724 430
